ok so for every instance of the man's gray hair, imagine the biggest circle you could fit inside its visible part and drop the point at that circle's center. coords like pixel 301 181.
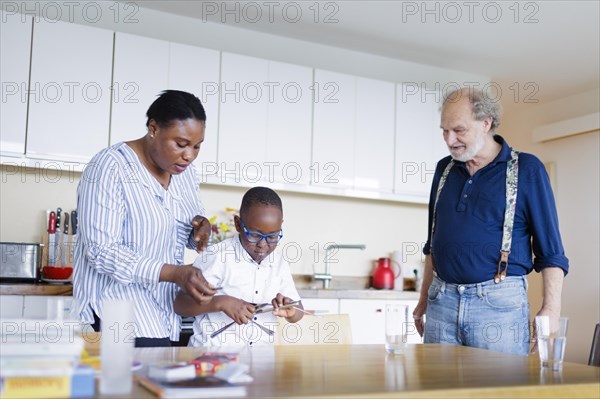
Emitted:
pixel 482 105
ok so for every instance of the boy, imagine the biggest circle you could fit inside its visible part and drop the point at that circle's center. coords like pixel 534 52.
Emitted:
pixel 247 272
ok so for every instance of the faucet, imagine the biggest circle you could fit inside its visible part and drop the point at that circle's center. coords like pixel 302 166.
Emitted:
pixel 326 276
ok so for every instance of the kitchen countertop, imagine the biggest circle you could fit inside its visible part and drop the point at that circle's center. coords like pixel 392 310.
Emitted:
pixel 369 293
pixel 36 289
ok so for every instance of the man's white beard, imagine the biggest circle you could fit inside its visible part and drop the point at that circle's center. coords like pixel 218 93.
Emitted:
pixel 471 152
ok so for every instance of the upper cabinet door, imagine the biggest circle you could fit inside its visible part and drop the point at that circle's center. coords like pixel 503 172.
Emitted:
pixel 196 70
pixel 333 130
pixel 14 72
pixel 418 141
pixel 289 124
pixel 69 101
pixel 141 70
pixel 374 161
pixel 243 119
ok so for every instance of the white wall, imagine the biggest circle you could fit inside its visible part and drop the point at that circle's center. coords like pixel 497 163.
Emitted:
pixel 577 195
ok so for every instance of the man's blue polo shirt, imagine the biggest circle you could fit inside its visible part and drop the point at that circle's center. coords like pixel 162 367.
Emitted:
pixel 470 216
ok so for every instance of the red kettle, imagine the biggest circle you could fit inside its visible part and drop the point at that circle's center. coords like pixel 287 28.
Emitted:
pixel 383 275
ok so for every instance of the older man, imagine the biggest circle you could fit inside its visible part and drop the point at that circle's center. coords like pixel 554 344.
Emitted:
pixel 490 208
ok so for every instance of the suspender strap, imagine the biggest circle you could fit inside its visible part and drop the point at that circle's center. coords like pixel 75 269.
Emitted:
pixel 512 181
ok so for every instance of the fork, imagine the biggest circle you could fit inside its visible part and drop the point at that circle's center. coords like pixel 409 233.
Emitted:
pixel 220 330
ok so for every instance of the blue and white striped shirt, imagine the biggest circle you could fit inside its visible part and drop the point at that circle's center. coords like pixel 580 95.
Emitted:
pixel 129 227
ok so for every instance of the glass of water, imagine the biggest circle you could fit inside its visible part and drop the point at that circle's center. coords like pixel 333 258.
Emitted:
pixel 396 321
pixel 551 341
pixel 116 347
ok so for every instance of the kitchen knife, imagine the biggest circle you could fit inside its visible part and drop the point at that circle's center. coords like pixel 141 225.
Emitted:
pixel 73 236
pixel 58 241
pixel 65 248
pixel 51 239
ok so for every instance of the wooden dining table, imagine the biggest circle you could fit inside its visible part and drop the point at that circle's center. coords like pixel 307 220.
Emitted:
pixel 367 371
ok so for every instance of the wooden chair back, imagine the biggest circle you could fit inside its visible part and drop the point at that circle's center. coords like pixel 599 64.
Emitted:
pixel 595 352
pixel 330 329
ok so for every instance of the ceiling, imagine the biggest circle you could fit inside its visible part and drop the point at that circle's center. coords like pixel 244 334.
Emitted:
pixel 548 49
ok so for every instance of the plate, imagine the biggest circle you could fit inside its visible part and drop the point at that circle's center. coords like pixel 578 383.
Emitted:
pixel 52 281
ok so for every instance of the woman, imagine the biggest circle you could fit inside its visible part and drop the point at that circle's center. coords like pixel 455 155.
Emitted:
pixel 138 205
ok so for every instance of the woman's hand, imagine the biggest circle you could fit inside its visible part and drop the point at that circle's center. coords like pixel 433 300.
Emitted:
pixel 201 227
pixel 240 311
pixel 190 280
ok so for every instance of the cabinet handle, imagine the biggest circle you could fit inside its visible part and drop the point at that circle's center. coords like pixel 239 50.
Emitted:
pixel 378 310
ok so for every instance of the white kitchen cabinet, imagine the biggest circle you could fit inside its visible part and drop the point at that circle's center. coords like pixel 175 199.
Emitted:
pixel 15 40
pixel 46 307
pixel 265 121
pixel 419 141
pixel 11 306
pixel 322 305
pixel 289 124
pixel 69 101
pixel 333 150
pixel 141 73
pixel 367 317
pixel 196 70
pixel 243 118
pixel 353 143
pixel 374 135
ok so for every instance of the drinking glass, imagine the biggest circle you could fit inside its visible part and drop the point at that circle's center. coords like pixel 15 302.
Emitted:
pixel 116 347
pixel 551 341
pixel 396 322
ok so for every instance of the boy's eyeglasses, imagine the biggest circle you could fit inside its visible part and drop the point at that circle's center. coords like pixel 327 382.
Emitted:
pixel 255 236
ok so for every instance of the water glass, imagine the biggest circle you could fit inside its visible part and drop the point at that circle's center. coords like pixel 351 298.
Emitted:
pixel 116 347
pixel 551 341
pixel 396 332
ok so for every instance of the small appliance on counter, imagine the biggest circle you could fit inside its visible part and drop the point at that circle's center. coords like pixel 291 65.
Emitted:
pixel 20 262
pixel 383 275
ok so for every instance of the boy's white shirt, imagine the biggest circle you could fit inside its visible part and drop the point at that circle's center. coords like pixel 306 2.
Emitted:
pixel 228 265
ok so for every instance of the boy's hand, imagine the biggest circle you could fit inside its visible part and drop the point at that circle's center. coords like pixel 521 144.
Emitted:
pixel 240 311
pixel 282 300
pixel 201 232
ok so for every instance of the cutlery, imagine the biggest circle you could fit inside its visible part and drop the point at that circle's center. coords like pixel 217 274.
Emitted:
pixel 258 308
pixel 51 239
pixel 309 312
pixel 57 241
pixel 65 239
pixel 73 236
pixel 220 330
pixel 265 329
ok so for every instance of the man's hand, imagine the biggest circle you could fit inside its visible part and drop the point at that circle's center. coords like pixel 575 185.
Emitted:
pixel 418 314
pixel 190 280
pixel 240 311
pixel 201 232
pixel 553 316
pixel 552 278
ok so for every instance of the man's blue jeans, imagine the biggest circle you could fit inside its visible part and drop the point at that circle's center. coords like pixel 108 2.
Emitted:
pixel 484 315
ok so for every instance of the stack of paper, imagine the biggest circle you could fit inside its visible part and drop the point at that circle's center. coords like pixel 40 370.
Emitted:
pixel 40 358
